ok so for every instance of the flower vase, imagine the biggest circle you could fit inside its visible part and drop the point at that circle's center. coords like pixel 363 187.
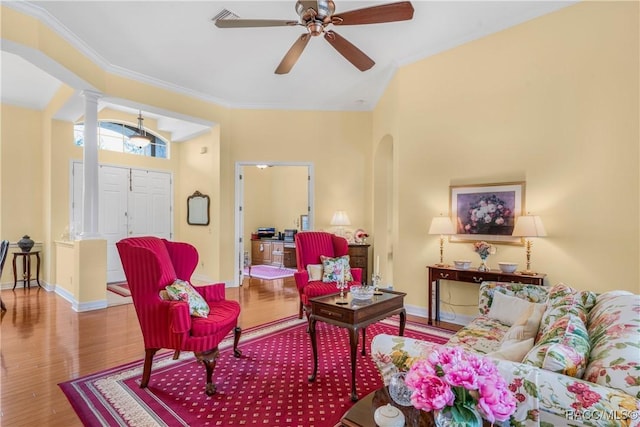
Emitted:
pixel 483 264
pixel 398 389
pixel 457 416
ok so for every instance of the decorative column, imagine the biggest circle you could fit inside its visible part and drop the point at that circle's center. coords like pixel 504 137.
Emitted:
pixel 90 189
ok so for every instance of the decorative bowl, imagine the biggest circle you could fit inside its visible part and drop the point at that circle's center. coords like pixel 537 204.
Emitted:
pixel 361 292
pixel 508 267
pixel 462 264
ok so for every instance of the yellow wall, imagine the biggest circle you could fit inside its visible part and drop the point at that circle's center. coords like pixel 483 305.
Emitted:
pixel 273 197
pixel 553 102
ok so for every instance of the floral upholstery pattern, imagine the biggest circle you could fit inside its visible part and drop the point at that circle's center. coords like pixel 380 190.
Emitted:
pixel 564 300
pixel 564 348
pixel 483 335
pixel 531 293
pixel 614 327
pixel 334 268
pixel 607 395
pixel 180 290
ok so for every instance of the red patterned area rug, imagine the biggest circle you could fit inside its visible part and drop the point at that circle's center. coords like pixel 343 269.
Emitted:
pixel 267 386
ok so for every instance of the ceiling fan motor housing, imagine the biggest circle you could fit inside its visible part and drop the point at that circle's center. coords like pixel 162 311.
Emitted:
pixel 312 10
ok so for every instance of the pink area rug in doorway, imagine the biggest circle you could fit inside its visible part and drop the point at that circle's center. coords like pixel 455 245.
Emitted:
pixel 268 272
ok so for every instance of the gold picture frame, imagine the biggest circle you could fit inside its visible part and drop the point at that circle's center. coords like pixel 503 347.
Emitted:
pixel 486 212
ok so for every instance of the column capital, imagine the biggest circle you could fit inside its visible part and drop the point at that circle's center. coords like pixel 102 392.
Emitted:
pixel 91 95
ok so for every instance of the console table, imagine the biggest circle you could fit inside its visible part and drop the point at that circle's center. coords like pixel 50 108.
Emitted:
pixel 471 275
pixel 26 268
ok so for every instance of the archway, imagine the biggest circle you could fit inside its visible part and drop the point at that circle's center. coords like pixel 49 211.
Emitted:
pixel 383 208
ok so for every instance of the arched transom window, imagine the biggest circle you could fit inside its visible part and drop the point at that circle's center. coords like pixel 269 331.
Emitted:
pixel 114 136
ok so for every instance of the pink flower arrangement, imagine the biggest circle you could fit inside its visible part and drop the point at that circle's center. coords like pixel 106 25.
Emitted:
pixel 483 249
pixel 450 379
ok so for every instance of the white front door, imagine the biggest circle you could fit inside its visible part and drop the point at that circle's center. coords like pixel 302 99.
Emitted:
pixel 150 209
pixel 133 202
pixel 113 216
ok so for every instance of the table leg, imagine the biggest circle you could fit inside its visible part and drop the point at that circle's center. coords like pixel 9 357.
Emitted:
pixel 403 321
pixel 15 275
pixel 364 342
pixel 314 346
pixel 437 300
pixel 27 275
pixel 430 299
pixel 38 269
pixel 353 340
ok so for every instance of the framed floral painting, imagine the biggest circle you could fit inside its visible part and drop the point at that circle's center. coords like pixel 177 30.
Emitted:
pixel 486 211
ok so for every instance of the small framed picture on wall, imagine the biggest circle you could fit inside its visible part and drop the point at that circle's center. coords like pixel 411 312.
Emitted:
pixel 304 222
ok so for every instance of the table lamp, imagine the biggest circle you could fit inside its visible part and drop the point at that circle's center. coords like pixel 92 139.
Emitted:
pixel 340 219
pixel 529 226
pixel 443 226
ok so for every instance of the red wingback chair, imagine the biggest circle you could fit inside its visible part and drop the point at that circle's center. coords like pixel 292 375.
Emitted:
pixel 150 264
pixel 309 246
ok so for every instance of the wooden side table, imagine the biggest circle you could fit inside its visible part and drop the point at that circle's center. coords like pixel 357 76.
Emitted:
pixel 26 268
pixel 437 273
pixel 359 258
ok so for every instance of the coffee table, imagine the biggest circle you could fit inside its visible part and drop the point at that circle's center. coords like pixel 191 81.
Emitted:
pixel 361 414
pixel 353 315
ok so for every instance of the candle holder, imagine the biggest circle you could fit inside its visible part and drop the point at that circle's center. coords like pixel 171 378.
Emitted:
pixel 375 280
pixel 341 285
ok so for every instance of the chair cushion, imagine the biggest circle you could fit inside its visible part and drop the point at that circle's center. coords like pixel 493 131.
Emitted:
pixel 333 269
pixel 568 331
pixel 315 271
pixel 180 290
pixel 319 288
pixel 509 310
pixel 221 319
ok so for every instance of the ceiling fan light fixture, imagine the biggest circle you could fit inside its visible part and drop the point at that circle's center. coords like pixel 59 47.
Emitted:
pixel 141 139
pixel 315 28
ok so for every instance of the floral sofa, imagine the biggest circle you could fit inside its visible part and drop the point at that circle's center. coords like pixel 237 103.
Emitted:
pixel 571 357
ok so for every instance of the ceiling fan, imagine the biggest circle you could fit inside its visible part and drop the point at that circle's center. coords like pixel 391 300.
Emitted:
pixel 316 15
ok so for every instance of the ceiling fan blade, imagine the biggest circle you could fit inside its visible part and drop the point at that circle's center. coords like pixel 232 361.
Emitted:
pixel 293 54
pixel 352 54
pixel 247 23
pixel 401 11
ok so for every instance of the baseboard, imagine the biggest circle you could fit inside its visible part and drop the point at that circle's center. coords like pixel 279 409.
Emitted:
pixel 458 319
pixel 77 306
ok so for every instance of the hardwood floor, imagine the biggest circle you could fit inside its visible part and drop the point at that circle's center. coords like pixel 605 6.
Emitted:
pixel 44 342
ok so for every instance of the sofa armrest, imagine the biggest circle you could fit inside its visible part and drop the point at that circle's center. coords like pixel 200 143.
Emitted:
pixel 392 353
pixel 564 399
pixel 522 381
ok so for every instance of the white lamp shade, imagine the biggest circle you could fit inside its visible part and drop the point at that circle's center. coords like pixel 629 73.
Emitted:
pixel 441 225
pixel 529 226
pixel 140 140
pixel 340 218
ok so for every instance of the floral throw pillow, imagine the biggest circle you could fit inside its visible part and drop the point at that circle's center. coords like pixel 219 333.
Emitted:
pixel 333 269
pixel 180 290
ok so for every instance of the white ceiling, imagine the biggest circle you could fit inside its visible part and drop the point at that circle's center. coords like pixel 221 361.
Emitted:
pixel 174 44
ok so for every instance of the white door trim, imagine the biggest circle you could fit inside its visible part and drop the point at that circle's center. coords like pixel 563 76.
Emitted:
pixel 239 212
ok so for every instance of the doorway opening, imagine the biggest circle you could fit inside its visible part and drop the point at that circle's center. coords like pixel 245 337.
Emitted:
pixel 269 195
